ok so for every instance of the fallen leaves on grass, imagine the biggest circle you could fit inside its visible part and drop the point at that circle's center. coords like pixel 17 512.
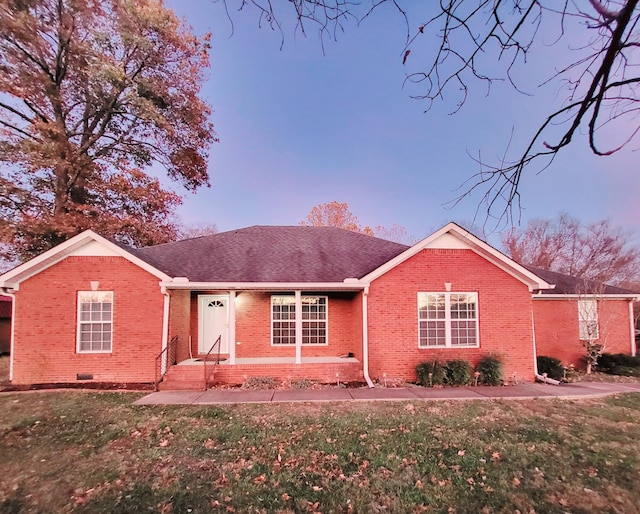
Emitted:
pixel 260 479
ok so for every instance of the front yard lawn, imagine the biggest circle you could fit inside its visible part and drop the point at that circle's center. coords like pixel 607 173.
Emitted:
pixel 95 452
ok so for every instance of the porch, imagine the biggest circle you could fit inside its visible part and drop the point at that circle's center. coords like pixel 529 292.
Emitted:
pixel 190 374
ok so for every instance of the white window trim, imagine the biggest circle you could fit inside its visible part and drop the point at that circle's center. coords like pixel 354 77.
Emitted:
pixel 588 313
pixel 309 345
pixel 79 323
pixel 447 321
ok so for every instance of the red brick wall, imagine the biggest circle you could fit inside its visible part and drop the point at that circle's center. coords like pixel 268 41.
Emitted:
pixel 325 372
pixel 180 321
pixel 504 309
pixel 5 335
pixel 253 325
pixel 253 329
pixel 46 321
pixel 557 329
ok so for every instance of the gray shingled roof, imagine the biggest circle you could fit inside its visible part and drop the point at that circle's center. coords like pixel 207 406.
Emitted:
pixel 272 254
pixel 566 284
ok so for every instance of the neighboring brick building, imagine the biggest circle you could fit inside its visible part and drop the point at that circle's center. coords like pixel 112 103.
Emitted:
pixel 565 314
pixel 290 303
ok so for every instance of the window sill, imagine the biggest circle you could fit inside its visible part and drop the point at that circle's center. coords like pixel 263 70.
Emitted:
pixel 457 347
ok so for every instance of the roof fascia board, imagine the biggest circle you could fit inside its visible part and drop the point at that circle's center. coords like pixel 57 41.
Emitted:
pixel 266 286
pixel 24 271
pixel 474 244
pixel 601 296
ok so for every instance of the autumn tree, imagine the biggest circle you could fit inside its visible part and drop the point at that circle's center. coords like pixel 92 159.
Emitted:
pixel 197 230
pixel 597 251
pixel 396 233
pixel 451 46
pixel 92 93
pixel 335 214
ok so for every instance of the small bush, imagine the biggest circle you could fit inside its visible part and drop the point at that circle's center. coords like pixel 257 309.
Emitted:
pixel 431 373
pixel 551 366
pixel 260 383
pixel 490 369
pixel 613 363
pixel 458 372
pixel 626 371
pixel 303 383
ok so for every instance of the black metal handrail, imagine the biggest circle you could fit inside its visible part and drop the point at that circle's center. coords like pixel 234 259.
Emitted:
pixel 170 352
pixel 208 372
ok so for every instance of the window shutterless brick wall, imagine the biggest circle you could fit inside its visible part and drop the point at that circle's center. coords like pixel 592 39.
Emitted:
pixel 557 329
pixel 504 314
pixel 46 323
pixel 180 321
pixel 253 325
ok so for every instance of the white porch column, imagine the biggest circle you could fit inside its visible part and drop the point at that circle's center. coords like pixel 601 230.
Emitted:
pixel 232 327
pixel 298 327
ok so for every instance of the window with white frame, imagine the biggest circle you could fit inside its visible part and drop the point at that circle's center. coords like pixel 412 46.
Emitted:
pixel 447 320
pixel 314 320
pixel 588 320
pixel 95 321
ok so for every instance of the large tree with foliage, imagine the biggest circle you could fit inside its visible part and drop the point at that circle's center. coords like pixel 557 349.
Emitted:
pixel 338 214
pixel 599 251
pixel 335 214
pixel 453 45
pixel 93 92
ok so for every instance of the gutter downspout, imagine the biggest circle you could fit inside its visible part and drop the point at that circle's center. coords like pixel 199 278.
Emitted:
pixel 540 378
pixel 365 337
pixel 632 329
pixel 5 291
pixel 165 328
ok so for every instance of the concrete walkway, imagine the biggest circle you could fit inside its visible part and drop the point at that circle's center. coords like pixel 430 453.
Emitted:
pixel 515 392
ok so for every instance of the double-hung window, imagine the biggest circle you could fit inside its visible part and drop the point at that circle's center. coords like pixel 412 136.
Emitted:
pixel 95 321
pixel 448 320
pixel 314 320
pixel 588 320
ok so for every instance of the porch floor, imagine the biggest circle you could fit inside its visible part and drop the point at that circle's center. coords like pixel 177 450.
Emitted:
pixel 275 360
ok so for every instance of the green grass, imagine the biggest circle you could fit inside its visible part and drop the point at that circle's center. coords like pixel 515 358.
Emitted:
pixel 94 452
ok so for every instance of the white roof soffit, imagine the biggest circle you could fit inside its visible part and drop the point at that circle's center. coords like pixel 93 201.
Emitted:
pixel 87 243
pixel 452 236
pixel 181 283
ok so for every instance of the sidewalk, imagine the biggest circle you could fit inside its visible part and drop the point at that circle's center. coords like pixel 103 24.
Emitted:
pixel 516 392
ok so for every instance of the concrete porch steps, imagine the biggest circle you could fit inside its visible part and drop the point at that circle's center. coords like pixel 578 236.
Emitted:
pixel 183 378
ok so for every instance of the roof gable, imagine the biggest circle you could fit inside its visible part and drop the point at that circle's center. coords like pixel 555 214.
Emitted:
pixel 272 254
pixel 87 243
pixel 452 236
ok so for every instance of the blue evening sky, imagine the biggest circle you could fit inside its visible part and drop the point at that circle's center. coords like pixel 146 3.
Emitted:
pixel 298 128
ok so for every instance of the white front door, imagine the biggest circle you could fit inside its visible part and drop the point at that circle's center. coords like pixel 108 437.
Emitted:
pixel 213 322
